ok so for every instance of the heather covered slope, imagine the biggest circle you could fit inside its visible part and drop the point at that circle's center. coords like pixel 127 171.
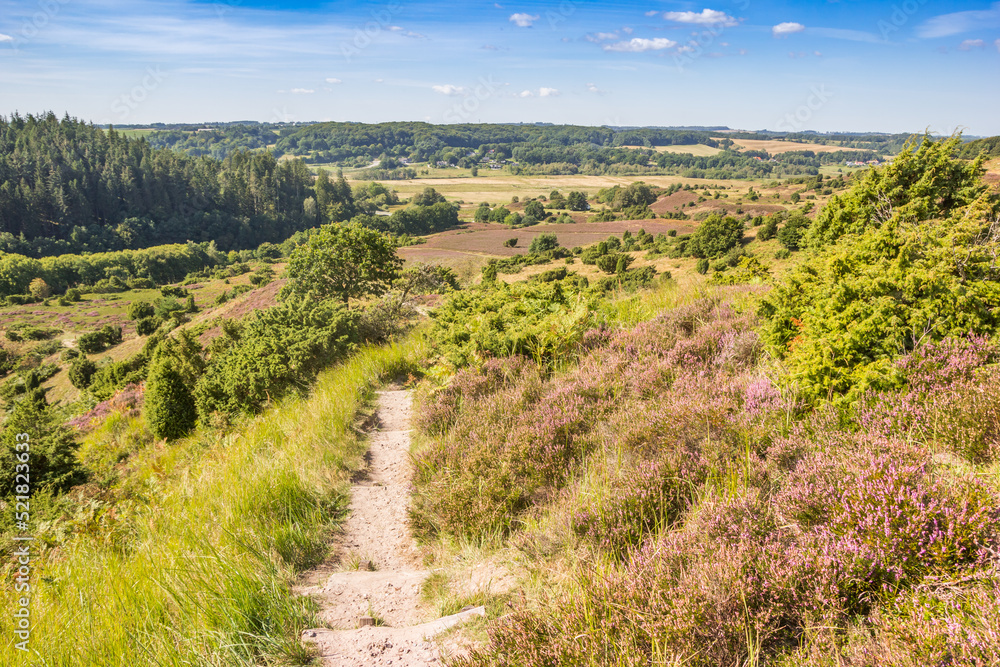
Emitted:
pixel 747 477
pixel 703 514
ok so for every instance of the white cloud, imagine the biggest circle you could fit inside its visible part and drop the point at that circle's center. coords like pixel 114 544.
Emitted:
pixel 525 93
pixel 705 17
pixel 334 80
pixel 687 48
pixel 378 80
pixel 627 30
pixel 640 44
pixel 548 92
pixel 969 44
pixel 652 12
pixel 5 38
pixel 787 28
pixel 592 87
pixel 448 89
pixel 601 36
pixel 952 24
pixel 523 20
pixel 302 91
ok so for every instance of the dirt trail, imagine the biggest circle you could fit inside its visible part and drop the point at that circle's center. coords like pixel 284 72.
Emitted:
pixel 376 570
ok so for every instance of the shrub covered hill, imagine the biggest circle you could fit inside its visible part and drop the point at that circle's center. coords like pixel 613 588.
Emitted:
pixel 805 472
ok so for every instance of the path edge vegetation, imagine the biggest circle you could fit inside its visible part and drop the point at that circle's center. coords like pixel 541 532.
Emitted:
pixel 196 566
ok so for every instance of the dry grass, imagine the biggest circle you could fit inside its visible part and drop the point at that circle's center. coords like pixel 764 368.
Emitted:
pixel 699 150
pixel 775 146
pixel 501 187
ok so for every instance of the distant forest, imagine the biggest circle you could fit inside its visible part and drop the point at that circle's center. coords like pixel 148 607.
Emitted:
pixel 70 187
pixel 521 148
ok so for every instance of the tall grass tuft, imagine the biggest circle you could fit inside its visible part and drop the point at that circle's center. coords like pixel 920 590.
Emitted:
pixel 191 559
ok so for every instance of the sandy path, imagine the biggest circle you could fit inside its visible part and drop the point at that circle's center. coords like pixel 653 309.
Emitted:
pixel 379 563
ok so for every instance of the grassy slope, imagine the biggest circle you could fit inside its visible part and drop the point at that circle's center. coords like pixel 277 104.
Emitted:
pixel 188 558
pixel 95 310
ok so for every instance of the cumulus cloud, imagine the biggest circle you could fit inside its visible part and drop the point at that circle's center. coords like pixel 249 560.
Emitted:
pixel 787 28
pixel 640 44
pixel 525 93
pixel 969 44
pixel 334 80
pixel 548 92
pixel 522 20
pixel 5 38
pixel 448 89
pixel 592 87
pixel 302 91
pixel 704 17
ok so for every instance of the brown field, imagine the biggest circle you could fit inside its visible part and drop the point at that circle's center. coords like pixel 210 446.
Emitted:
pixel 775 146
pixel 481 240
pixel 675 202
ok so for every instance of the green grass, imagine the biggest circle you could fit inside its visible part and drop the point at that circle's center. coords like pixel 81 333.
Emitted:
pixel 189 558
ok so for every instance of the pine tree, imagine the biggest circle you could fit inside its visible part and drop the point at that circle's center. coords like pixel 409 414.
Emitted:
pixel 169 405
pixel 50 446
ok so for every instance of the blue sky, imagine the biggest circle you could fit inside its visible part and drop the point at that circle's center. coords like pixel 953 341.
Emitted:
pixel 907 65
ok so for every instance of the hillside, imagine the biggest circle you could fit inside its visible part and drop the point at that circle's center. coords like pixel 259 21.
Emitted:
pixel 757 433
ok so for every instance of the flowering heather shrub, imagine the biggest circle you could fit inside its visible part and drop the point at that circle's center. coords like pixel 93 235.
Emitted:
pixel 514 440
pixel 442 406
pixel 644 500
pixel 939 626
pixel 126 402
pixel 949 400
pixel 709 595
pixel 896 523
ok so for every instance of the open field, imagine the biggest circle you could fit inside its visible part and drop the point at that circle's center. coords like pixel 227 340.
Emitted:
pixel 502 187
pixel 137 133
pixel 700 150
pixel 775 146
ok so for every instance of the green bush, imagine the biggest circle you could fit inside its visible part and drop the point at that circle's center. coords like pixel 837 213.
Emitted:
pixel 173 291
pixel 541 320
pixel 543 243
pixel 792 235
pixel 879 287
pixel 52 456
pixel 138 310
pixel 81 373
pixel 277 350
pixel 147 325
pixel 715 236
pixel 100 340
pixel 169 405
pixel 769 229
pixel 702 266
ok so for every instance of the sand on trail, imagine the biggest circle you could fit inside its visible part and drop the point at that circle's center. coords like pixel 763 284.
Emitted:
pixel 376 571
